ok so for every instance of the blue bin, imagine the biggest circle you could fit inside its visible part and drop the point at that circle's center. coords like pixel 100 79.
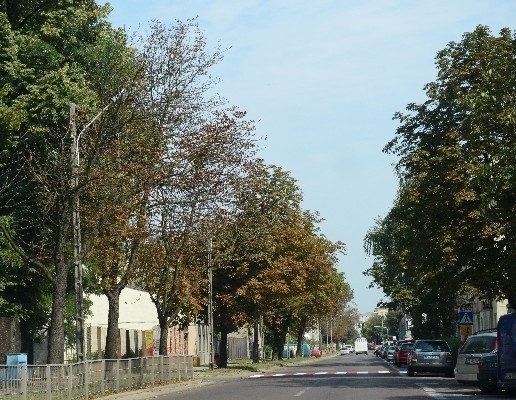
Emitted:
pixel 14 361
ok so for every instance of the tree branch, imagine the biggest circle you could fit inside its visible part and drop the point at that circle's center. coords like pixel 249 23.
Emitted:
pixel 38 266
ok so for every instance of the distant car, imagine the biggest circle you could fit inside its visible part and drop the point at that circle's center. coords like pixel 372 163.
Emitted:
pixel 430 356
pixel 344 351
pixel 371 346
pixel 475 348
pixel 390 353
pixel 315 352
pixel 401 355
pixel 487 375
pixel 385 349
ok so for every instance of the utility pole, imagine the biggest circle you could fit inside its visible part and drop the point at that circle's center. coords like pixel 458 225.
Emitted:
pixel 76 224
pixel 210 302
pixel 76 220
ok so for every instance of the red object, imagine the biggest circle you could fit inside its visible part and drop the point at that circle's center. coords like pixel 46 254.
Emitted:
pixel 315 353
pixel 402 355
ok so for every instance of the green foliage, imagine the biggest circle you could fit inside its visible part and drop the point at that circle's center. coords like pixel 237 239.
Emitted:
pixel 453 219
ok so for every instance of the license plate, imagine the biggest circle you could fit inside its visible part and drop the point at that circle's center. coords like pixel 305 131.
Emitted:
pixel 431 357
pixel 472 360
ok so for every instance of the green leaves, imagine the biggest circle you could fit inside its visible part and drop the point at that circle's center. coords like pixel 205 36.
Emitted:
pixel 454 170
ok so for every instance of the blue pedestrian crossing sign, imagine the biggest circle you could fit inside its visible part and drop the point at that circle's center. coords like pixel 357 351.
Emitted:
pixel 465 317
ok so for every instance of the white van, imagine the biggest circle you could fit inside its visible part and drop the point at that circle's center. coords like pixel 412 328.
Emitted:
pixel 361 345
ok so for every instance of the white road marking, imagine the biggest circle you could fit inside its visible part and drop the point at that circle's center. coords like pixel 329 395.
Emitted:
pixel 300 393
pixel 431 392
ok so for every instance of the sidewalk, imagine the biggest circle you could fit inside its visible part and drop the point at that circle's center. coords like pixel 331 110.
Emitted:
pixel 203 376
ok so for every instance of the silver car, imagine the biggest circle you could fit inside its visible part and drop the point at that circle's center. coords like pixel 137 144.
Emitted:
pixel 430 356
pixel 474 349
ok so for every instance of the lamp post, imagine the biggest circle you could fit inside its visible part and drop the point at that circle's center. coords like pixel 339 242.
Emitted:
pixel 76 222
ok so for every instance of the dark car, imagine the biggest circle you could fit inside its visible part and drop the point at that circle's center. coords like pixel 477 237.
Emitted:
pixel 487 375
pixel 401 355
pixel 430 356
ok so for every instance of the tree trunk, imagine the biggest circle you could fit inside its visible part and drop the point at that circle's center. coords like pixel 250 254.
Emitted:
pixel 163 337
pixel 256 347
pixel 111 351
pixel 223 352
pixel 279 343
pixel 299 337
pixel 56 337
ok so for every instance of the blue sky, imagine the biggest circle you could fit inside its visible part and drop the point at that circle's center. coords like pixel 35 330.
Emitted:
pixel 323 80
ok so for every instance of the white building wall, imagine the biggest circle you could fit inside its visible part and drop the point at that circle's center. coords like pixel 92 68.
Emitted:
pixel 137 311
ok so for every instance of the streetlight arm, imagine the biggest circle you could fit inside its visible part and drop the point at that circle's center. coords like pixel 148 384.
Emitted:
pixel 122 94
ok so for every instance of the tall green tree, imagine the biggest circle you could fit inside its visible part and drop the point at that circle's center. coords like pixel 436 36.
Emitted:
pixel 453 219
pixel 48 65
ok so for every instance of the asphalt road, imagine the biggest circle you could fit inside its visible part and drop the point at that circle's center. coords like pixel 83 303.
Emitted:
pixel 350 377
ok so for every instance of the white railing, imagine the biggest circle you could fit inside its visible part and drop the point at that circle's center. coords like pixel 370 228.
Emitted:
pixel 91 379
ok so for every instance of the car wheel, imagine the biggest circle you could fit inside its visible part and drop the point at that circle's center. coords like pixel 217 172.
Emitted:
pixel 488 389
pixel 410 372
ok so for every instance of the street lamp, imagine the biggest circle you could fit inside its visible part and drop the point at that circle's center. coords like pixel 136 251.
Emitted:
pixel 76 221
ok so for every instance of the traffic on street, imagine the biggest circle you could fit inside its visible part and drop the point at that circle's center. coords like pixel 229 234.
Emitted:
pixel 356 377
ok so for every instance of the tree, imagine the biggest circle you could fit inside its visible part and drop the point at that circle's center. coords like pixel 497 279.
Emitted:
pixel 449 229
pixel 207 149
pixel 47 68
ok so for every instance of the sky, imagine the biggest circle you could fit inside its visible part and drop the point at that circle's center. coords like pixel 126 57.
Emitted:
pixel 323 79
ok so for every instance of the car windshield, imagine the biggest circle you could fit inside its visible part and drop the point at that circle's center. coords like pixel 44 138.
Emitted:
pixel 479 345
pixel 430 346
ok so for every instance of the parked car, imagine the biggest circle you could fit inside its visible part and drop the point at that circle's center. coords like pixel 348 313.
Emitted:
pixel 397 350
pixel 383 353
pixel 344 351
pixel 315 352
pixel 390 353
pixel 430 356
pixel 506 336
pixel 401 355
pixel 474 349
pixel 487 374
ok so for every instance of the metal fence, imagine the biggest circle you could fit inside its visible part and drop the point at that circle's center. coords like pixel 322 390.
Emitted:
pixel 91 379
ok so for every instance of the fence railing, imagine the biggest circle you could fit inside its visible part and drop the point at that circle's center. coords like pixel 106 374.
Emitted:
pixel 91 379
